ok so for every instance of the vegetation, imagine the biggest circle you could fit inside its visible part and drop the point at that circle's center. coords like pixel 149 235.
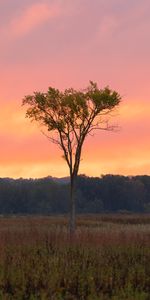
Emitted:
pixel 71 116
pixel 109 258
pixel 94 195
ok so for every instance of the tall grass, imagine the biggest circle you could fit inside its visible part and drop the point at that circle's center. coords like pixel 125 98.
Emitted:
pixel 108 259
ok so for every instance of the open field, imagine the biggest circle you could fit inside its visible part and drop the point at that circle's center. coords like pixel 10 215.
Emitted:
pixel 108 259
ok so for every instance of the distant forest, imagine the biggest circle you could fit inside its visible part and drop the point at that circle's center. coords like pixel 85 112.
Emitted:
pixel 109 193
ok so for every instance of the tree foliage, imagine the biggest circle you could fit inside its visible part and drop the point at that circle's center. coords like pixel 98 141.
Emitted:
pixel 71 115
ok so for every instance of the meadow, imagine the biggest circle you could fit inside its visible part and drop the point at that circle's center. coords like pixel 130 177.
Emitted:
pixel 109 258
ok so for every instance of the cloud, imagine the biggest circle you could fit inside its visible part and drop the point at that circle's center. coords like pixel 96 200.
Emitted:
pixel 134 111
pixel 108 25
pixel 34 16
pixel 34 169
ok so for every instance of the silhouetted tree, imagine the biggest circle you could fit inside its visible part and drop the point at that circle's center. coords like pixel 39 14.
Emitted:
pixel 72 115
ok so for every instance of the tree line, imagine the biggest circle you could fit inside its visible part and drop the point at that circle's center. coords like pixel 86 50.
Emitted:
pixel 108 193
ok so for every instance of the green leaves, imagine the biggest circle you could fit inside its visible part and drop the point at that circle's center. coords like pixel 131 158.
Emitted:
pixel 103 99
pixel 72 115
pixel 70 109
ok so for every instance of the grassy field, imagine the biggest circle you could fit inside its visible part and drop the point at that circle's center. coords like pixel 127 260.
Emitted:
pixel 108 259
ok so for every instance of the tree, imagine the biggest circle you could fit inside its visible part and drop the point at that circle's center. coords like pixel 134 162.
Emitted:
pixel 71 116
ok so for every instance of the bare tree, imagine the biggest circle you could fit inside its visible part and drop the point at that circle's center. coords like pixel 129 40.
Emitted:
pixel 71 116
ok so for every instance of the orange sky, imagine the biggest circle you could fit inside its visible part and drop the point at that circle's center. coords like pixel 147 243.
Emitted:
pixel 67 43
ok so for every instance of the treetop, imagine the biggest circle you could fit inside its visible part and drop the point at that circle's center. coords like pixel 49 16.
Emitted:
pixel 57 109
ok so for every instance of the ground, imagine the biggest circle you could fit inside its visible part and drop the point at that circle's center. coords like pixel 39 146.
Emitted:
pixel 109 258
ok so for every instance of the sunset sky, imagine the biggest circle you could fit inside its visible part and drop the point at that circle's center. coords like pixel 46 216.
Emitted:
pixel 66 43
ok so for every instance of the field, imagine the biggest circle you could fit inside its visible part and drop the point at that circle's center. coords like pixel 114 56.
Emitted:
pixel 108 259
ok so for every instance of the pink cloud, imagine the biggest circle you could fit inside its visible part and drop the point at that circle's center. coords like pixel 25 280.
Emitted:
pixel 108 25
pixel 32 17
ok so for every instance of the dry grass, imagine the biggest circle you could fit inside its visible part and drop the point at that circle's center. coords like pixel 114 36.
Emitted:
pixel 108 259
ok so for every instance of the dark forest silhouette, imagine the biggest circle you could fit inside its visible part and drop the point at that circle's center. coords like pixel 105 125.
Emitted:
pixel 110 193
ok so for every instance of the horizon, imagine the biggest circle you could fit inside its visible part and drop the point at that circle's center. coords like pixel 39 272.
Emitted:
pixel 68 177
pixel 106 42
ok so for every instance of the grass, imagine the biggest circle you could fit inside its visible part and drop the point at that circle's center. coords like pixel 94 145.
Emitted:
pixel 108 259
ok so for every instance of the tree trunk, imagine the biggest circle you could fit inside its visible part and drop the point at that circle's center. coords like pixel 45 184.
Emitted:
pixel 72 221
